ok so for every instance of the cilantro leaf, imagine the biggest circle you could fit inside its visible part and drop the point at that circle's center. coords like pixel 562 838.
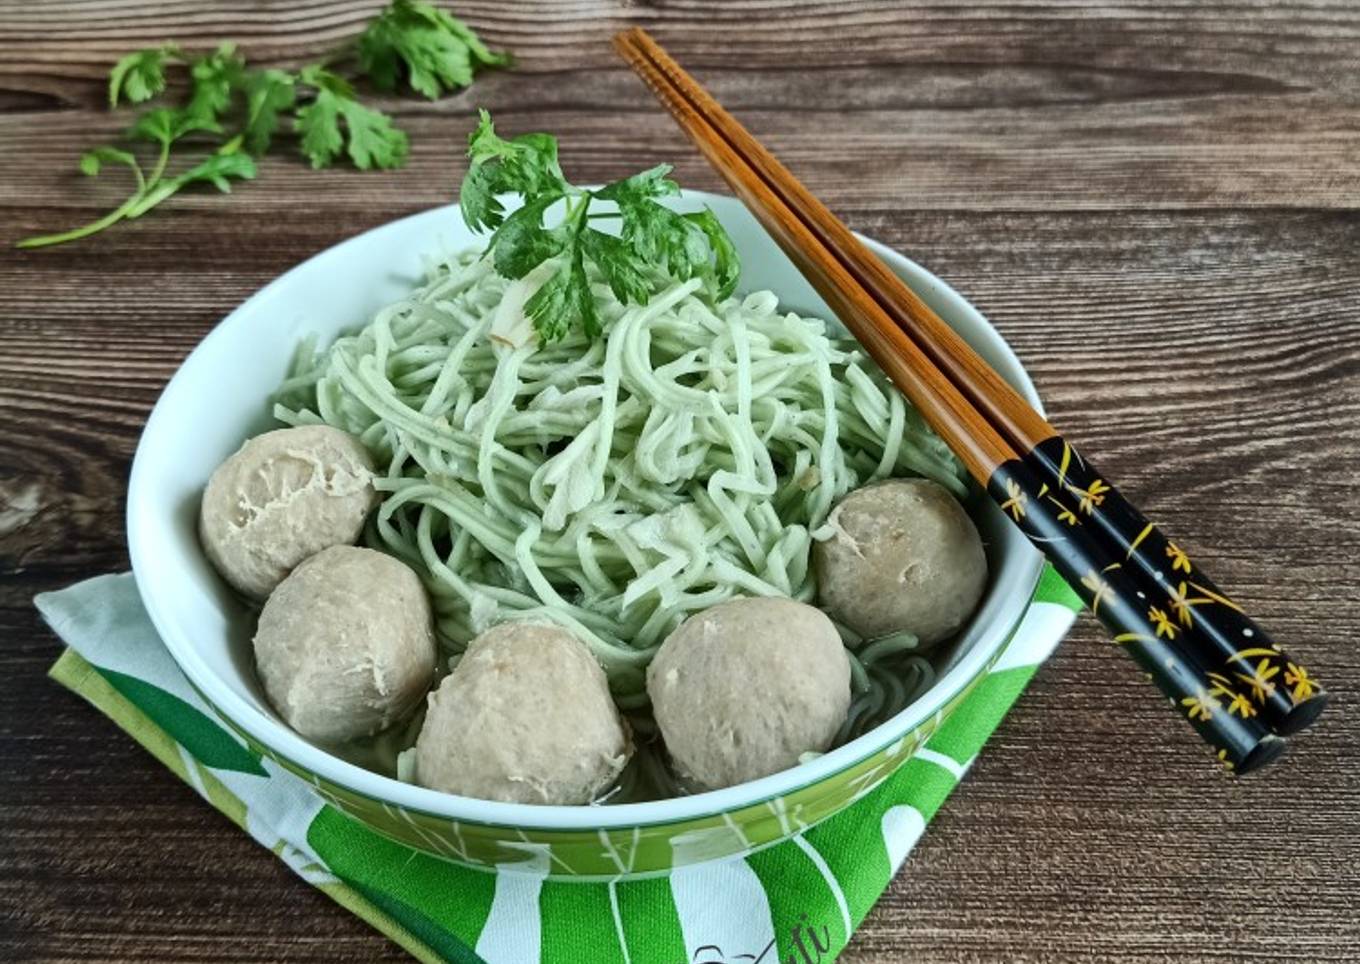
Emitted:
pixel 477 198
pixel 651 183
pixel 438 51
pixel 93 161
pixel 585 298
pixel 665 238
pixel 521 243
pixel 564 301
pixel 481 54
pixel 216 170
pixel 726 266
pixel 552 307
pixel 268 94
pixel 526 166
pixel 319 125
pixel 686 244
pixel 621 266
pixel 373 141
pixel 410 41
pixel 371 138
pixel 654 240
pixel 140 75
pixel 214 77
pixel 165 126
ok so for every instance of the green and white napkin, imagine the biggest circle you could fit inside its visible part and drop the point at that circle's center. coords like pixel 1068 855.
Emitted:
pixel 797 902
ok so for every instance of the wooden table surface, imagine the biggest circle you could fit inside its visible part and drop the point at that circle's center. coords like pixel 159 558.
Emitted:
pixel 1155 202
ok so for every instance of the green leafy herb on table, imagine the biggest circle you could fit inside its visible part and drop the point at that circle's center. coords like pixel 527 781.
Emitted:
pixel 652 239
pixel 371 139
pixel 438 51
pixel 234 113
pixel 268 94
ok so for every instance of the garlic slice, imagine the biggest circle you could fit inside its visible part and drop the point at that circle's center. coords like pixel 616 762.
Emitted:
pixel 511 326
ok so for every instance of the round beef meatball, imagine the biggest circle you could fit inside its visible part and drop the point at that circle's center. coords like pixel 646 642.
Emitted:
pixel 345 645
pixel 525 717
pixel 284 496
pixel 905 557
pixel 746 687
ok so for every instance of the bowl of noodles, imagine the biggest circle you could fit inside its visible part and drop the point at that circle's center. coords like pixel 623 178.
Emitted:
pixel 389 336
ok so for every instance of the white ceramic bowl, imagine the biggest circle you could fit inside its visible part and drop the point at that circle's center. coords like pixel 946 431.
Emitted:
pixel 219 397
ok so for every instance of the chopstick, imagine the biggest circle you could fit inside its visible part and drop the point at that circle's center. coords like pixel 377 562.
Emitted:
pixel 962 397
pixel 1220 636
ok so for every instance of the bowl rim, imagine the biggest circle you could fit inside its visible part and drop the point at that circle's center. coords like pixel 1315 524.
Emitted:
pixel 280 741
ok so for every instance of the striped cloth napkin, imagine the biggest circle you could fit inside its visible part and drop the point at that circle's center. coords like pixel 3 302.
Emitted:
pixel 794 903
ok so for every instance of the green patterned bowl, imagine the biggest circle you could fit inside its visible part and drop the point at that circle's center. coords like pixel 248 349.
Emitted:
pixel 218 398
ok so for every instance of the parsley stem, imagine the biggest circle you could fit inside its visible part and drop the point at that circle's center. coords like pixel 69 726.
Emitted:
pixel 161 161
pixel 153 192
pixel 94 227
pixel 577 212
pixel 573 208
pixel 151 198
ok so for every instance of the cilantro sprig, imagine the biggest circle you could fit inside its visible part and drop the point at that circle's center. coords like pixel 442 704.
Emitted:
pixel 233 113
pixel 369 135
pixel 164 127
pixel 652 240
pixel 438 52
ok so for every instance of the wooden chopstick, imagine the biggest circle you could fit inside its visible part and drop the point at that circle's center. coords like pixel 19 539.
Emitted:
pixel 1218 633
pixel 978 446
pixel 1243 743
pixel 1224 637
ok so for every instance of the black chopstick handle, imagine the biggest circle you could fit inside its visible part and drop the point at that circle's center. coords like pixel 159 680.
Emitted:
pixel 1224 718
pixel 1189 608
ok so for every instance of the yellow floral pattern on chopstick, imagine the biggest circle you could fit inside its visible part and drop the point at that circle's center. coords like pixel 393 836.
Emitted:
pixel 1100 590
pixel 1138 540
pixel 1181 603
pixel 1064 513
pixel 1201 706
pixel 1260 680
pixel 1255 675
pixel 1015 505
pixel 1091 496
pixel 1237 703
pixel 1162 623
pixel 1155 602
pixel 1300 683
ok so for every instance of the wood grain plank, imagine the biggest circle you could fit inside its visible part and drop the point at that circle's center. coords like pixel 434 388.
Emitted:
pixel 1145 148
pixel 1154 201
pixel 1029 106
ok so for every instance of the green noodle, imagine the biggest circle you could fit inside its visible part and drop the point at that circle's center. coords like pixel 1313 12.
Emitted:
pixel 615 486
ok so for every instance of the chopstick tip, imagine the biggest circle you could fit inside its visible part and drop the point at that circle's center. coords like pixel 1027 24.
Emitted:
pixel 626 38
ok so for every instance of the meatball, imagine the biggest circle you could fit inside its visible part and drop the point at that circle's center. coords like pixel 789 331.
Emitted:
pixel 345 645
pixel 525 717
pixel 905 557
pixel 284 496
pixel 744 688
